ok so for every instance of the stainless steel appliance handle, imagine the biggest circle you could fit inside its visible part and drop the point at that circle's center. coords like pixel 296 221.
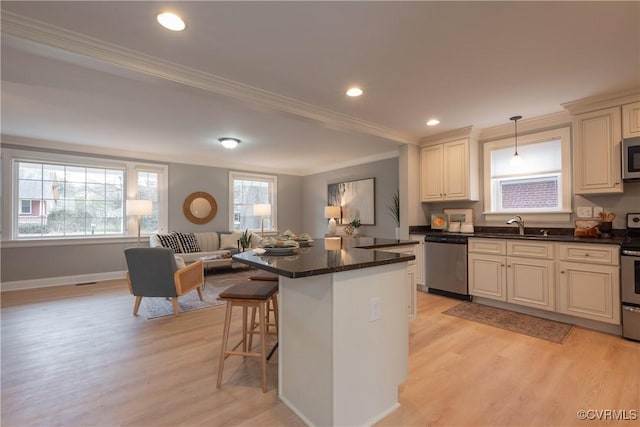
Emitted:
pixel 632 309
pixel 630 252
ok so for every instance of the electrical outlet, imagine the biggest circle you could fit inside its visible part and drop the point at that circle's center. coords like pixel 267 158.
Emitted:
pixel 597 210
pixel 374 309
pixel 585 212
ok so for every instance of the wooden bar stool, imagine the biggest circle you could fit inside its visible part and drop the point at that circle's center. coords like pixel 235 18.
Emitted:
pixel 273 303
pixel 252 294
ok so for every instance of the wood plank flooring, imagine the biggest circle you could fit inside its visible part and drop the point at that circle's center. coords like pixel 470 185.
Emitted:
pixel 76 356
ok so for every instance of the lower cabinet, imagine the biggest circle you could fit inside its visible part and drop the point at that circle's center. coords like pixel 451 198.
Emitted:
pixel 590 291
pixel 531 282
pixel 577 279
pixel 487 277
pixel 411 276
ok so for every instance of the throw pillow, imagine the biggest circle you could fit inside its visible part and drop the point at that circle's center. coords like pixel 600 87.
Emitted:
pixel 180 262
pixel 170 241
pixel 188 243
pixel 229 241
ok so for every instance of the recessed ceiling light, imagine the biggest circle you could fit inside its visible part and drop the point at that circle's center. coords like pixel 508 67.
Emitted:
pixel 229 143
pixel 354 91
pixel 433 122
pixel 171 21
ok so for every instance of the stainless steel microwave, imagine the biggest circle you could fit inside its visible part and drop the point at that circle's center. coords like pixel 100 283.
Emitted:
pixel 631 159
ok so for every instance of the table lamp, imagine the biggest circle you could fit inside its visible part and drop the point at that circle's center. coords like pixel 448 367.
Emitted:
pixel 138 208
pixel 262 210
pixel 332 212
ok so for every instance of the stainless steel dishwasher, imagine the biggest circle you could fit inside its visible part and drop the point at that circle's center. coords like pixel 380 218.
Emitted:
pixel 446 265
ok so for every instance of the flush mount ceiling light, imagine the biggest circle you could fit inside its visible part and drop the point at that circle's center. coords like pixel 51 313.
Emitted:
pixel 354 91
pixel 433 122
pixel 229 143
pixel 171 21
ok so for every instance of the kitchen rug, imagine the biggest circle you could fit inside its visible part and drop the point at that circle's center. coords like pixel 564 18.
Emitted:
pixel 214 283
pixel 525 324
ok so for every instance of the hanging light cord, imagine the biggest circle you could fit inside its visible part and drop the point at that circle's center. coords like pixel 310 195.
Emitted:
pixel 515 120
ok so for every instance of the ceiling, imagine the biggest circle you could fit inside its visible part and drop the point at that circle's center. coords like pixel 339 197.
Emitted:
pixel 106 76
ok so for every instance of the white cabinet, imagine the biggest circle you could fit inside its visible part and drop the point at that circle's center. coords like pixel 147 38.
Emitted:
pixel 589 282
pixel 631 120
pixel 596 152
pixel 449 171
pixel 517 271
pixel 411 276
pixel 487 276
pixel 419 249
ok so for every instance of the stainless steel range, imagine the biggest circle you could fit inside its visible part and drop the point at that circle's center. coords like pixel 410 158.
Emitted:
pixel 630 279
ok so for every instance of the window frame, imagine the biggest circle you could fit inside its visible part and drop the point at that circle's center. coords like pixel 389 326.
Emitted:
pixel 273 179
pixel 563 214
pixel 11 213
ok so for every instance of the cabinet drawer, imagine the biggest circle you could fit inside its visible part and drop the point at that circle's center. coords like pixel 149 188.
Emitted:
pixel 591 254
pixel 487 246
pixel 409 250
pixel 528 249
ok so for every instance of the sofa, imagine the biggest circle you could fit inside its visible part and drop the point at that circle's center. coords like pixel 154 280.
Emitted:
pixel 213 248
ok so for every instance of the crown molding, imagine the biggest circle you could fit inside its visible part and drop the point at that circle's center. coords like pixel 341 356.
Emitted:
pixel 534 124
pixel 600 102
pixel 60 38
pixel 471 132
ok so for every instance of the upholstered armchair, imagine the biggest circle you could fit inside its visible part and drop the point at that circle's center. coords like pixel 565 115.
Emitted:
pixel 153 272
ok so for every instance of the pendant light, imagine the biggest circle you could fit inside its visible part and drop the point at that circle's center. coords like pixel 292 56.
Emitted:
pixel 515 122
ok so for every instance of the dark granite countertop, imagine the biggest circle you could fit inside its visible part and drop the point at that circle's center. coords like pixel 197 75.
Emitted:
pixel 350 253
pixel 555 234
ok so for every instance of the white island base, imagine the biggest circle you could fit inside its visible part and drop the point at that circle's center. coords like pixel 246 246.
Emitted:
pixel 337 366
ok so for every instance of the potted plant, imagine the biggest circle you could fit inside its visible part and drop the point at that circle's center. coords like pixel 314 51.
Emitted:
pixel 394 210
pixel 356 223
pixel 245 239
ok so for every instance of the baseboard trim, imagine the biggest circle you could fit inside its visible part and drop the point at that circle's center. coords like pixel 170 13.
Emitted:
pixel 47 282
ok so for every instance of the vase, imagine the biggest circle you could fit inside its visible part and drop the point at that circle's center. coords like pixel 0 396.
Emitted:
pixel 356 231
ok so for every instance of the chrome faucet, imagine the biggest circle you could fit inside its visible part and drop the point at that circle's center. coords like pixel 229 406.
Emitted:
pixel 518 220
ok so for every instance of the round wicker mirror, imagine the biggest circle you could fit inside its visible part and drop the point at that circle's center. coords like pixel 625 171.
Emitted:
pixel 200 207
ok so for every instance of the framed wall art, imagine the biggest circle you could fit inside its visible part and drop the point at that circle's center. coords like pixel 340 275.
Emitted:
pixel 356 198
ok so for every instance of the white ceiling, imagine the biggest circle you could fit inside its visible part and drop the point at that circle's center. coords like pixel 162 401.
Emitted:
pixel 105 75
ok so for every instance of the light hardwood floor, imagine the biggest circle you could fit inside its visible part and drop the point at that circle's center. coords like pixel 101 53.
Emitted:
pixel 76 356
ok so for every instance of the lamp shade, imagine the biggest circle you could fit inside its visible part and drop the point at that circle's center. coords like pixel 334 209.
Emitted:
pixel 139 207
pixel 262 209
pixel 332 212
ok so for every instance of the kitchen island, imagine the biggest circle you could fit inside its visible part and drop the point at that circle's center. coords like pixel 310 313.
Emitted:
pixel 343 340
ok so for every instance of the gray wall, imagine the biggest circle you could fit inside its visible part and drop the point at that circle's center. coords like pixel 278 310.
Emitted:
pixel 39 262
pixel 314 199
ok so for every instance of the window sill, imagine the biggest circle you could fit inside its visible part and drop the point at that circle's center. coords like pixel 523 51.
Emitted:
pixel 534 217
pixel 29 243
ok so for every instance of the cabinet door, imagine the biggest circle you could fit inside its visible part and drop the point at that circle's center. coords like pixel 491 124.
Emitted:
pixel 419 248
pixel 596 151
pixel 411 291
pixel 431 173
pixel 531 282
pixel 589 291
pixel 456 170
pixel 487 276
pixel 631 120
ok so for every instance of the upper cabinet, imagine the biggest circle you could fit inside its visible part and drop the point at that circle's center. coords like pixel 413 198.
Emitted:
pixel 449 171
pixel 631 120
pixel 596 151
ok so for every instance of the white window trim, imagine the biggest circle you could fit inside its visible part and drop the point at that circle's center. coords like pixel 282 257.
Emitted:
pixel 233 175
pixel 11 156
pixel 559 215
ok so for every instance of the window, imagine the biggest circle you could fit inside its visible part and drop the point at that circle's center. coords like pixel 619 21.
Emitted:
pixel 70 196
pixel 245 190
pixel 538 183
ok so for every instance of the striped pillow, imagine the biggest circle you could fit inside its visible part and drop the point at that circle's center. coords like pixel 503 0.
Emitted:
pixel 170 241
pixel 188 243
